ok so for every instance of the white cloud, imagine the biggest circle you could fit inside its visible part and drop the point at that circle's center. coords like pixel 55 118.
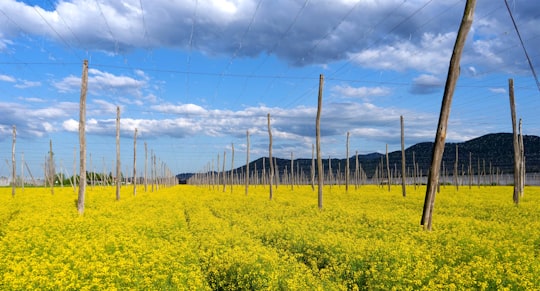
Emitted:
pixel 431 54
pixel 426 84
pixel 7 78
pixel 102 83
pixel 360 92
pixel 27 84
pixel 498 90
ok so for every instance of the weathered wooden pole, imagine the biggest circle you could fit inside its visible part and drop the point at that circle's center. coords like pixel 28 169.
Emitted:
pixel 388 169
pixel 517 156
pixel 522 160
pixel 135 162
pixel 223 171
pixel 82 139
pixel 118 169
pixel 356 171
pixel 292 172
pixel 347 171
pixel 13 163
pixel 145 167
pixel 51 169
pixel 440 137
pixel 247 162
pixel 403 178
pixel 232 166
pixel 271 178
pixel 318 143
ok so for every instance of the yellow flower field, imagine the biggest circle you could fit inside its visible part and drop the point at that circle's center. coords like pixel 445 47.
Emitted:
pixel 201 238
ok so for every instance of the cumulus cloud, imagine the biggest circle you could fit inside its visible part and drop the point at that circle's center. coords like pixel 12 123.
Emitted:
pixel 431 54
pixel 384 35
pixel 7 78
pixel 426 84
pixel 100 83
pixel 360 92
pixel 35 122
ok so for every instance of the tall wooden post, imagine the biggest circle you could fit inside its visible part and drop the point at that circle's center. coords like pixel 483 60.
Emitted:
pixel 247 162
pixel 403 178
pixel 347 173
pixel 118 169
pixel 82 139
pixel 145 167
pixel 292 172
pixel 440 137
pixel 223 171
pixel 51 169
pixel 13 163
pixel 232 166
pixel 135 163
pixel 318 143
pixel 522 160
pixel 517 156
pixel 388 169
pixel 356 171
pixel 271 178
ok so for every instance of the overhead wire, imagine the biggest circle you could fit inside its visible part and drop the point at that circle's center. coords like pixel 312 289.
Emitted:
pixel 523 45
pixel 240 46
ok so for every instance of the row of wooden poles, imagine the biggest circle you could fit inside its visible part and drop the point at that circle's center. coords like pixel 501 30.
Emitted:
pixel 159 174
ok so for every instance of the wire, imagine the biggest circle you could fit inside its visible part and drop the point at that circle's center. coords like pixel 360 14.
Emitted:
pixel 523 45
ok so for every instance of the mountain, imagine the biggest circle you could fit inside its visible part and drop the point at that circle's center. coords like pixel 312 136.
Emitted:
pixel 495 150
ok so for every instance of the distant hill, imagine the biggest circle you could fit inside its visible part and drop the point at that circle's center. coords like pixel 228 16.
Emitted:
pixel 495 149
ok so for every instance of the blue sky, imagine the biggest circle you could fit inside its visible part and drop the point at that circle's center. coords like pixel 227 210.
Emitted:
pixel 193 76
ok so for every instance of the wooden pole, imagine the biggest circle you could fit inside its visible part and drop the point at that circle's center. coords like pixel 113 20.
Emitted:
pixel 403 178
pixel 440 137
pixel 318 143
pixel 223 171
pixel 517 155
pixel 51 167
pixel 118 169
pixel 135 163
pixel 388 169
pixel 247 162
pixel 82 139
pixel 145 167
pixel 232 166
pixel 522 160
pixel 271 178
pixel 13 163
pixel 356 172
pixel 347 173
pixel 292 172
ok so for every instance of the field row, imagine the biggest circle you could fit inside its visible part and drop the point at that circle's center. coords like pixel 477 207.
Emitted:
pixel 200 238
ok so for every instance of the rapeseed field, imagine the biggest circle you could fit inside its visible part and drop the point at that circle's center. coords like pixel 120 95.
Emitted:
pixel 201 238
